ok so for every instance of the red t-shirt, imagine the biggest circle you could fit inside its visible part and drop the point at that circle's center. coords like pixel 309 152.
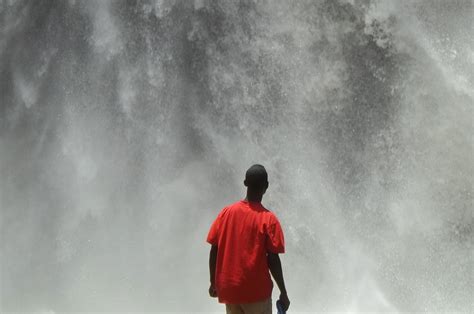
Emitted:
pixel 244 232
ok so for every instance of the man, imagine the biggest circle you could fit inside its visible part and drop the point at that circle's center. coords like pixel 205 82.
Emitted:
pixel 246 239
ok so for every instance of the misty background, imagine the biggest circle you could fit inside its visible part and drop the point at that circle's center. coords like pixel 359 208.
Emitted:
pixel 125 126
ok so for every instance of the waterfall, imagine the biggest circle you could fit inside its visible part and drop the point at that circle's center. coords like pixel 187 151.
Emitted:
pixel 125 126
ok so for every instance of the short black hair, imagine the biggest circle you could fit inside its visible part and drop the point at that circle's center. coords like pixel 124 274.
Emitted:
pixel 256 175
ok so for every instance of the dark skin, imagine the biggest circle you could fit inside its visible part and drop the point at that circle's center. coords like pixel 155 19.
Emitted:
pixel 254 194
pixel 212 271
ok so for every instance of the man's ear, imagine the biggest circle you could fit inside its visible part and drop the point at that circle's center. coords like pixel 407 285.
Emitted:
pixel 245 183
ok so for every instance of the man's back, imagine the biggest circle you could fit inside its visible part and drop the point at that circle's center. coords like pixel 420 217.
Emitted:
pixel 244 232
pixel 246 241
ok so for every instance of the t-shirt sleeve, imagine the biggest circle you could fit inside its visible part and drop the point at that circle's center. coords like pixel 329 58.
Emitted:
pixel 213 235
pixel 275 242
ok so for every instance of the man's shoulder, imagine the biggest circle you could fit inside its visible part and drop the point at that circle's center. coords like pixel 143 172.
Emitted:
pixel 270 214
pixel 232 205
pixel 243 204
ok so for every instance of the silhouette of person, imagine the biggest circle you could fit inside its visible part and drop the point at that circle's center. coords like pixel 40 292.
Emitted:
pixel 246 239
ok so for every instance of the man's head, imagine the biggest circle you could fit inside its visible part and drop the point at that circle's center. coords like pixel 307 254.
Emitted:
pixel 256 179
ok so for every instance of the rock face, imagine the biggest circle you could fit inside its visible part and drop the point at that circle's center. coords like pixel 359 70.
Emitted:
pixel 126 125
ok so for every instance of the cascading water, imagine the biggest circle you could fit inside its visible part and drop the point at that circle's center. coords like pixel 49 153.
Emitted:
pixel 125 126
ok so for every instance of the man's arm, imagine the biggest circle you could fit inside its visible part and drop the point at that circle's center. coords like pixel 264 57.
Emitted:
pixel 212 270
pixel 274 264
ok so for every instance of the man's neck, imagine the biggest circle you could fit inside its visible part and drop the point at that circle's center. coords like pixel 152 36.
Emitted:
pixel 253 198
